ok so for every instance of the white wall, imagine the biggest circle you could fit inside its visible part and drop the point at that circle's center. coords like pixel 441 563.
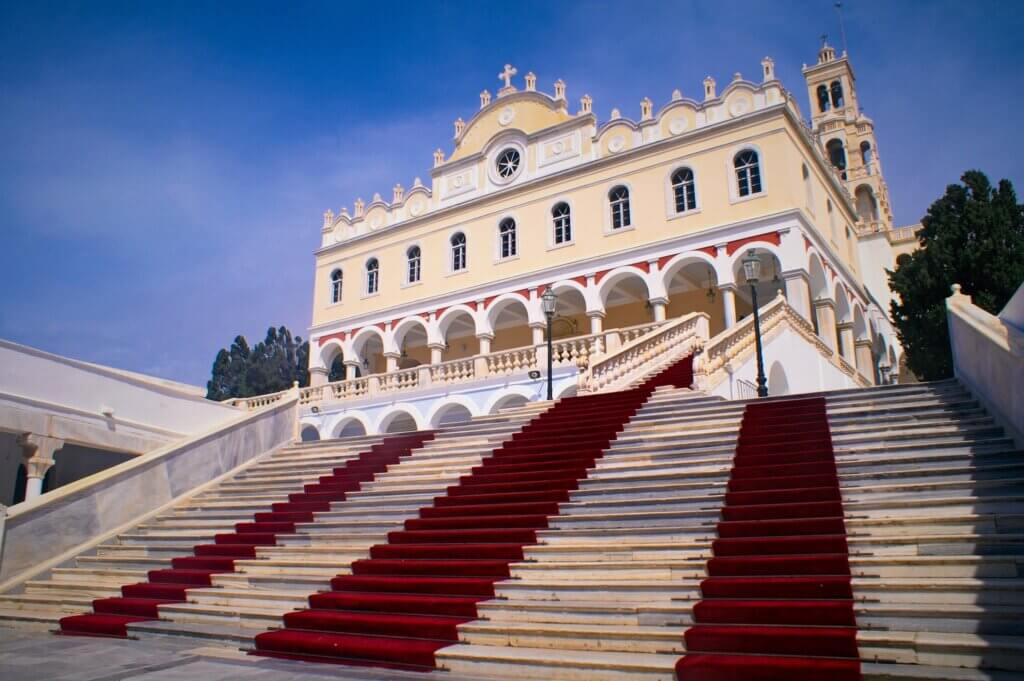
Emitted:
pixel 35 384
pixel 806 369
pixel 988 357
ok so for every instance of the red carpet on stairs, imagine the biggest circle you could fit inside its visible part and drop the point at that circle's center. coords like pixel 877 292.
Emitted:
pixel 138 602
pixel 405 602
pixel 777 604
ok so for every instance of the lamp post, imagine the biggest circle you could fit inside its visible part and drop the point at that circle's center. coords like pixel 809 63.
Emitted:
pixel 752 271
pixel 548 302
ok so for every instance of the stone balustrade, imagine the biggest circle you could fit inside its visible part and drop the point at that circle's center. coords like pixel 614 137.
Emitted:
pixel 578 351
pixel 258 401
pixel 734 345
pixel 635 358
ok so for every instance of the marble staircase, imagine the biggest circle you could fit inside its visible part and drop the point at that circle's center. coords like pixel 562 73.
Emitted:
pixel 280 577
pixel 934 505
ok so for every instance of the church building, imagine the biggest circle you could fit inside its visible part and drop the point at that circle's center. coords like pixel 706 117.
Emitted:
pixel 631 222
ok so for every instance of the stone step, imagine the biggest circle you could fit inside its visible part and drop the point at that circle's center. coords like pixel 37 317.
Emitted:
pixel 508 662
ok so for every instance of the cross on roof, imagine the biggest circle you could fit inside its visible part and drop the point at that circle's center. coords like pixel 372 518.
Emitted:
pixel 507 74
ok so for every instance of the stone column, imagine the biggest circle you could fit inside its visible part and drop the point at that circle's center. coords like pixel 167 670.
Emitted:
pixel 846 335
pixel 538 333
pixel 798 292
pixel 658 306
pixel 864 360
pixel 485 343
pixel 37 452
pixel 825 311
pixel 317 376
pixel 596 327
pixel 351 367
pixel 392 361
pixel 729 304
pixel 436 350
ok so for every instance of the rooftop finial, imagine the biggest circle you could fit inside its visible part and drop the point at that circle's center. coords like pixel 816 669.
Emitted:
pixel 559 89
pixel 586 104
pixel 506 75
pixel 531 81
pixel 485 99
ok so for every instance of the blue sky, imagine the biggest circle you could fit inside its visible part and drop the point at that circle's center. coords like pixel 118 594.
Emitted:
pixel 164 165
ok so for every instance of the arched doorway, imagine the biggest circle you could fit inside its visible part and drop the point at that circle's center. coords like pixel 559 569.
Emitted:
pixel 692 286
pixel 626 300
pixel 310 433
pixel 509 320
pixel 458 330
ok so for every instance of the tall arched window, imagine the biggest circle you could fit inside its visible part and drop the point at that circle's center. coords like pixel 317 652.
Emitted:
pixel 837 94
pixel 372 276
pixel 748 172
pixel 808 192
pixel 413 259
pixel 507 238
pixel 684 189
pixel 823 102
pixel 618 201
pixel 562 219
pixel 458 242
pixel 336 278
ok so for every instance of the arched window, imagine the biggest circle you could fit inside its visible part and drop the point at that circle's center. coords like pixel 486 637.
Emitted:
pixel 562 219
pixel 618 200
pixel 458 242
pixel 684 189
pixel 823 102
pixel 837 94
pixel 748 172
pixel 831 219
pixel 372 276
pixel 413 259
pixel 507 238
pixel 336 278
pixel 837 155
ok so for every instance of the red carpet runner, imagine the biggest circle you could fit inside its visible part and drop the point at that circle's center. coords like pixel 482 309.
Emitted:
pixel 404 603
pixel 139 602
pixel 777 603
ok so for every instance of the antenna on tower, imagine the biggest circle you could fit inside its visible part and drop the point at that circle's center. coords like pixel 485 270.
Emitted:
pixel 842 28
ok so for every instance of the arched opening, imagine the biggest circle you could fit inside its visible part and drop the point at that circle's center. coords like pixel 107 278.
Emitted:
pixel 309 433
pixel 838 101
pixel 818 285
pixel 451 414
pixel 844 317
pixel 369 351
pixel 399 422
pixel 570 313
pixel 351 427
pixel 569 391
pixel 458 330
pixel 510 324
pixel 509 402
pixel 626 300
pixel 867 157
pixel 768 285
pixel 837 155
pixel 823 102
pixel 778 384
pixel 867 206
pixel 411 341
pixel 692 286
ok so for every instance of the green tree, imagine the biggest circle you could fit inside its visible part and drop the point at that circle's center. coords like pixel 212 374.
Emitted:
pixel 972 236
pixel 272 365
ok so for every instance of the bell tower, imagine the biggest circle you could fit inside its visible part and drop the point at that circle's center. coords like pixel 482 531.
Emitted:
pixel 848 137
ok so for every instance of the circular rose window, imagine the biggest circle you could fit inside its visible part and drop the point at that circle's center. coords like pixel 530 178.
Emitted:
pixel 507 164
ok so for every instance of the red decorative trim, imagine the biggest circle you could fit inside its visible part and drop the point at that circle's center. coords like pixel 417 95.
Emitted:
pixel 644 265
pixel 600 275
pixel 581 280
pixel 710 250
pixel 770 237
pixel 340 335
pixel 807 244
pixel 664 259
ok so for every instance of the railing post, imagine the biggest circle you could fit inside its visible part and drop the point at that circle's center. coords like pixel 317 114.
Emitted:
pixel 373 384
pixel 424 375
